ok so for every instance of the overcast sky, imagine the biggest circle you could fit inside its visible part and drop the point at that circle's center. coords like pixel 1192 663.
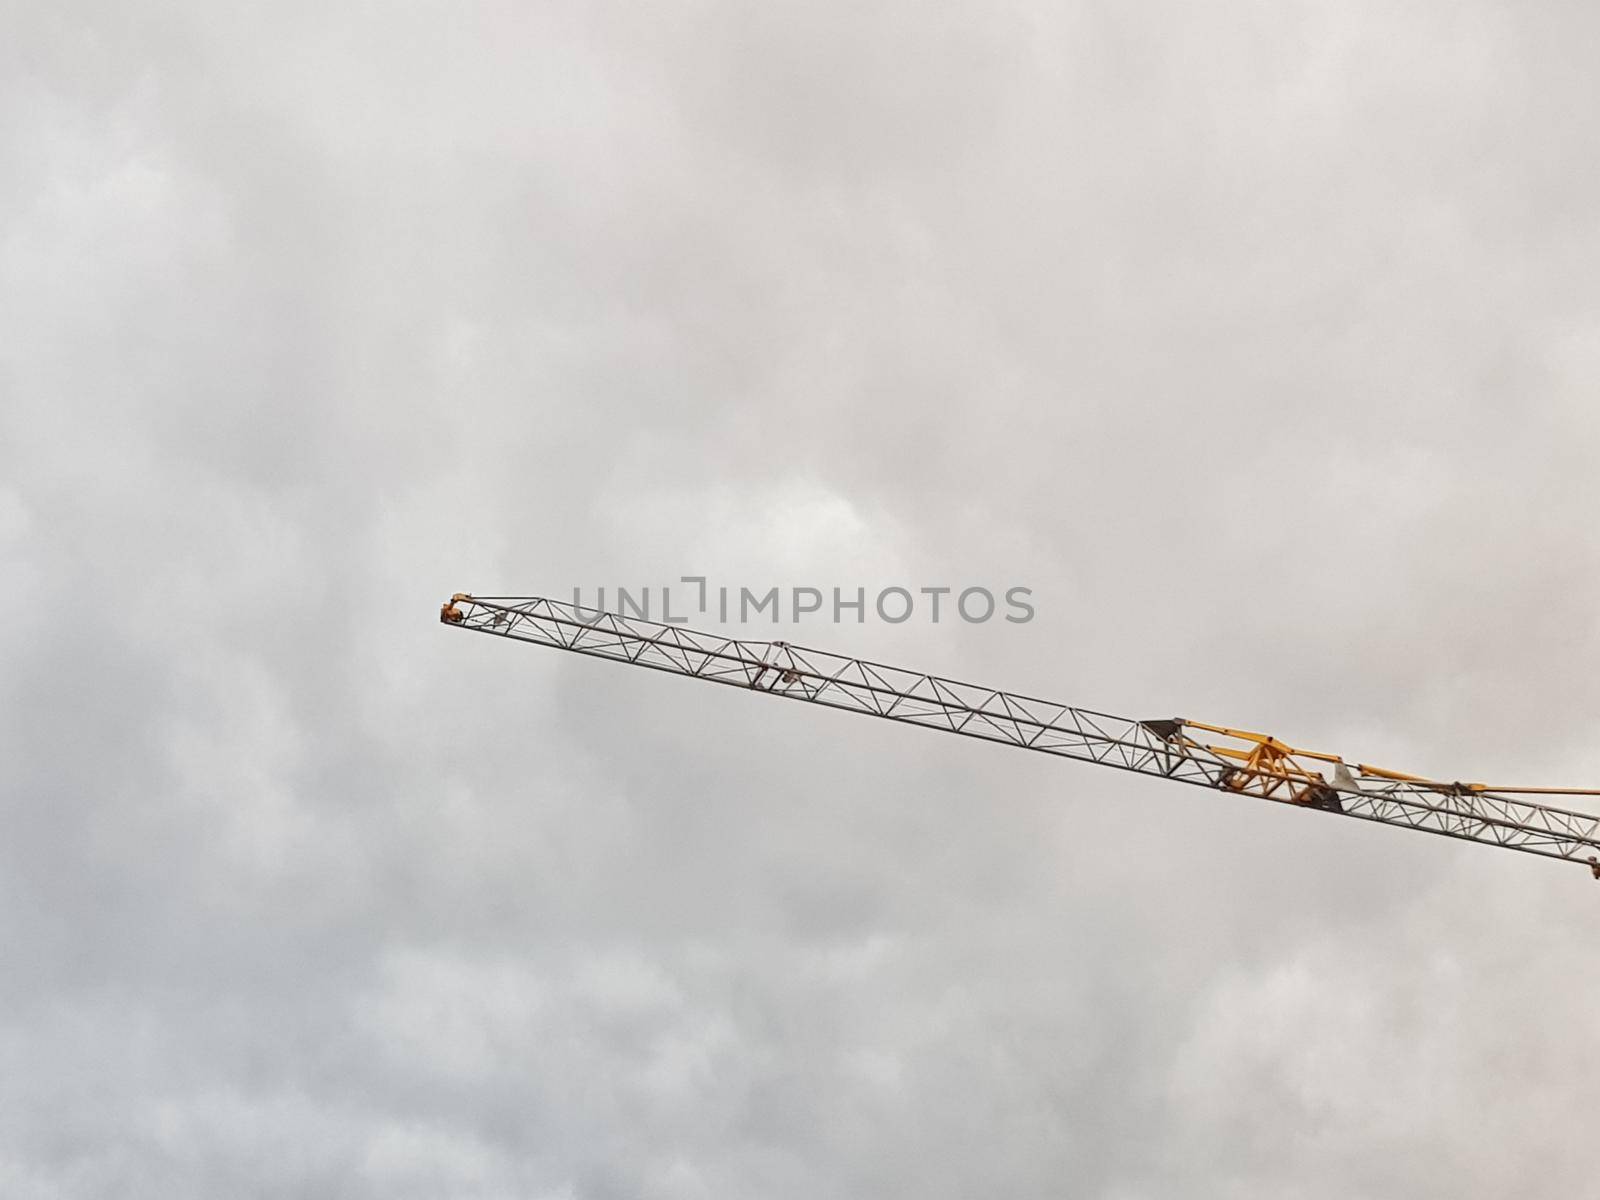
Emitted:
pixel 1259 339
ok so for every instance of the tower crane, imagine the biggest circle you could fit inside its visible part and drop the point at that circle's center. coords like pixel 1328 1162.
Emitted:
pixel 1185 751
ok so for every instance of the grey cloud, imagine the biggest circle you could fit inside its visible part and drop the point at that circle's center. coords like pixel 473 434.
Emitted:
pixel 1258 341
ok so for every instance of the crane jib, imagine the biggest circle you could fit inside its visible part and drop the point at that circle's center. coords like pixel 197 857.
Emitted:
pixel 1193 752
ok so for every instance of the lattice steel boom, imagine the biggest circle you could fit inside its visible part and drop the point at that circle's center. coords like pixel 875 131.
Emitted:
pixel 1212 756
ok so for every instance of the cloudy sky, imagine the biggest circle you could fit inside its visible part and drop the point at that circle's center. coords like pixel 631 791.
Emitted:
pixel 1259 339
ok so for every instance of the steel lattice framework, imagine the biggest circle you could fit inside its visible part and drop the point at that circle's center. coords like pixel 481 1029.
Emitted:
pixel 1192 752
